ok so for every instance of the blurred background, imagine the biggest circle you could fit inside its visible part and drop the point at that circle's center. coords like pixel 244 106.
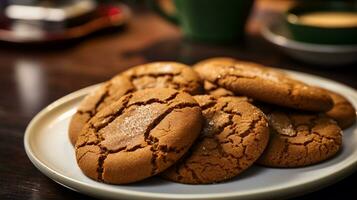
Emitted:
pixel 50 48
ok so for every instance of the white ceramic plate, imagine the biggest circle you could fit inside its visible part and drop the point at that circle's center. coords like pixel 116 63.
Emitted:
pixel 48 147
pixel 277 33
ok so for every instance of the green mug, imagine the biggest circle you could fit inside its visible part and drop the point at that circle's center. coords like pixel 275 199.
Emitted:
pixel 210 20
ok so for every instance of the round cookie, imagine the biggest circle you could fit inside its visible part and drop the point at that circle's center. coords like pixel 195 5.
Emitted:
pixel 153 75
pixel 138 136
pixel 106 94
pixel 300 139
pixel 265 84
pixel 165 75
pixel 234 135
pixel 342 111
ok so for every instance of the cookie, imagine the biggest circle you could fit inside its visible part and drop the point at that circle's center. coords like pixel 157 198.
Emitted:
pixel 342 111
pixel 265 84
pixel 209 87
pixel 219 60
pixel 153 75
pixel 106 94
pixel 138 136
pixel 215 90
pixel 300 139
pixel 234 135
pixel 165 75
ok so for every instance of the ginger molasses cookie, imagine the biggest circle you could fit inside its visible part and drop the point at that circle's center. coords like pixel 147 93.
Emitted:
pixel 215 90
pixel 211 88
pixel 265 84
pixel 106 94
pixel 153 75
pixel 342 111
pixel 219 60
pixel 234 135
pixel 300 139
pixel 138 136
pixel 165 75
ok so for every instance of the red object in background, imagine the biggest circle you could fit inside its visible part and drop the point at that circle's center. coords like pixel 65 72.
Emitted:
pixel 112 11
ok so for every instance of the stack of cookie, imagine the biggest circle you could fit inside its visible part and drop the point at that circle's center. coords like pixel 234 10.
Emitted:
pixel 204 124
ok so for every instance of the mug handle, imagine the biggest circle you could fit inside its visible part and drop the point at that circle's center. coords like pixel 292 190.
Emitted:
pixel 155 5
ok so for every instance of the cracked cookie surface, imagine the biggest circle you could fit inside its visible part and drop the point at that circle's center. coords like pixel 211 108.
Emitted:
pixel 214 90
pixel 342 111
pixel 106 94
pixel 138 136
pixel 153 75
pixel 234 135
pixel 165 75
pixel 264 84
pixel 211 88
pixel 299 139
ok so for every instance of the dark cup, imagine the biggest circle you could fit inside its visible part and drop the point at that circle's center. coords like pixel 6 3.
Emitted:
pixel 211 20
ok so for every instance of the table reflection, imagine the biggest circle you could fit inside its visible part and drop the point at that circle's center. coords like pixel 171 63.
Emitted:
pixel 30 84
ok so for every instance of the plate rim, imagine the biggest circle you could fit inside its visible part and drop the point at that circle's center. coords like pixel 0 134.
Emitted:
pixel 87 188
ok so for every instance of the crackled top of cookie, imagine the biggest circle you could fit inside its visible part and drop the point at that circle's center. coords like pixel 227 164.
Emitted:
pixel 265 84
pixel 104 95
pixel 101 97
pixel 342 111
pixel 300 139
pixel 215 90
pixel 234 134
pixel 165 75
pixel 153 75
pixel 138 136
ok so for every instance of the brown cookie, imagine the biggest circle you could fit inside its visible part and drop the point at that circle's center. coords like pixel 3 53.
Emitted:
pixel 209 87
pixel 215 90
pixel 106 94
pixel 138 136
pixel 234 135
pixel 265 84
pixel 219 60
pixel 165 75
pixel 300 139
pixel 153 75
pixel 343 111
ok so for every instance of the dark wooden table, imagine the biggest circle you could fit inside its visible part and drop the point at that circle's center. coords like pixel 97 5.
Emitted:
pixel 33 77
